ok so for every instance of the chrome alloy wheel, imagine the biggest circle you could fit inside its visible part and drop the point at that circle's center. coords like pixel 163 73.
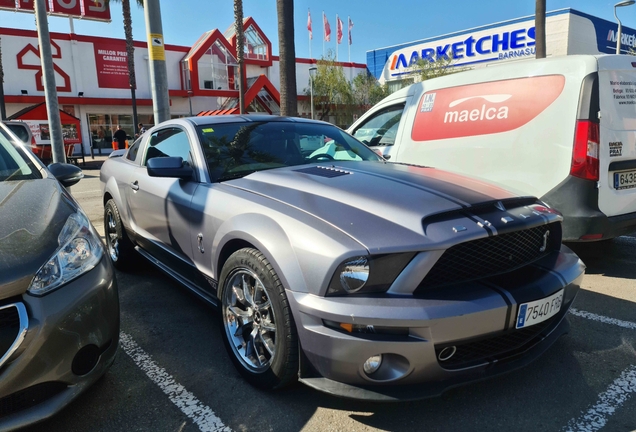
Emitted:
pixel 112 237
pixel 249 320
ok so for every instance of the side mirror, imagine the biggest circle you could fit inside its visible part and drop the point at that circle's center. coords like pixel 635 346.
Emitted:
pixel 172 167
pixel 66 174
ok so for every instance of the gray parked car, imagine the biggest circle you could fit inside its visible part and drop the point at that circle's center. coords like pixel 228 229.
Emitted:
pixel 59 309
pixel 360 278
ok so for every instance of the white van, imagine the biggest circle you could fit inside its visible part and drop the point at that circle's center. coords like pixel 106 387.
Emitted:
pixel 562 129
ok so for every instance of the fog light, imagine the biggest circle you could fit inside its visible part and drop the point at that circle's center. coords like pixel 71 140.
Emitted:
pixel 372 364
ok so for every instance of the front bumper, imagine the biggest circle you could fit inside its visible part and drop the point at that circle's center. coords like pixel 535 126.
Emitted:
pixel 471 317
pixel 71 340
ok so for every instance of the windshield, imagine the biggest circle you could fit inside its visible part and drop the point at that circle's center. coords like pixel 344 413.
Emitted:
pixel 13 164
pixel 233 150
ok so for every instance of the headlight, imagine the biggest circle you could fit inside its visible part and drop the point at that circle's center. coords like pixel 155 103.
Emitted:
pixel 80 250
pixel 354 274
pixel 368 274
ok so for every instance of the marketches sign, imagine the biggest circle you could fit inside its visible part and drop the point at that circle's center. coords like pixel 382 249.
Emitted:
pixel 96 10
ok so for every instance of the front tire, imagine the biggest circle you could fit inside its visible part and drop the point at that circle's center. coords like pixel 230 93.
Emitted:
pixel 258 328
pixel 119 247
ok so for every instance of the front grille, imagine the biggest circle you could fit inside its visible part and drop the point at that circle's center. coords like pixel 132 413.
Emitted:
pixel 497 347
pixel 489 256
pixel 9 327
pixel 29 397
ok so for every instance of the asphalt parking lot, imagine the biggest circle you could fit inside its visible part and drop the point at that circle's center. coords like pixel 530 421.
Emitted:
pixel 172 372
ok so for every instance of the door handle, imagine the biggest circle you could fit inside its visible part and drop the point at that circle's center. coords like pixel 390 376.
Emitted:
pixel 134 185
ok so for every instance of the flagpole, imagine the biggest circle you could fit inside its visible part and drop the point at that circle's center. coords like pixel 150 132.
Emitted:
pixel 323 34
pixel 349 36
pixel 337 37
pixel 309 33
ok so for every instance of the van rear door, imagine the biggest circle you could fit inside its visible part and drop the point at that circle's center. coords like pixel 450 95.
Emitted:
pixel 617 149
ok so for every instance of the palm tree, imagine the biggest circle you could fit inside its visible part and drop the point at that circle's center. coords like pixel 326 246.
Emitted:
pixel 130 50
pixel 539 28
pixel 240 51
pixel 287 53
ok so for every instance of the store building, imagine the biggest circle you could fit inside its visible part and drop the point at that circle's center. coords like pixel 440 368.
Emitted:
pixel 92 80
pixel 568 32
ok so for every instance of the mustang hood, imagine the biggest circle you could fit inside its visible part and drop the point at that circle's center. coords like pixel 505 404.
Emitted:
pixel 32 214
pixel 378 204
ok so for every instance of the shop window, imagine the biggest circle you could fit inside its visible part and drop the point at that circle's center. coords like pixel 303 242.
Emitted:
pixel 255 46
pixel 217 68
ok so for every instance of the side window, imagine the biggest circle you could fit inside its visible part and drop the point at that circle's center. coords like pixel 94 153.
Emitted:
pixel 133 150
pixel 381 129
pixel 171 142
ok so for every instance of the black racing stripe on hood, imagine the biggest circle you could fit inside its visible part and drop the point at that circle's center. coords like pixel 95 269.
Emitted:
pixel 411 184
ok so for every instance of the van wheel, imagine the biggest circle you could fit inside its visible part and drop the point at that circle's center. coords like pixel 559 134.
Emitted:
pixel 120 249
pixel 258 328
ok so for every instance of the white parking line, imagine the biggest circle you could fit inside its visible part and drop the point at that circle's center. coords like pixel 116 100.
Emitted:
pixel 608 402
pixel 603 319
pixel 192 407
pixel 617 393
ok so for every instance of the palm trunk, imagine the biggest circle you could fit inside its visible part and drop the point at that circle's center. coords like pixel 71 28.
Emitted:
pixel 539 28
pixel 240 51
pixel 130 49
pixel 3 110
pixel 288 93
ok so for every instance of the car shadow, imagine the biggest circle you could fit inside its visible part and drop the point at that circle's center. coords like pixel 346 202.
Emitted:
pixel 612 258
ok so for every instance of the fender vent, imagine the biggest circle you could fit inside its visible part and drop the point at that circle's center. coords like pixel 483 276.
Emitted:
pixel 328 172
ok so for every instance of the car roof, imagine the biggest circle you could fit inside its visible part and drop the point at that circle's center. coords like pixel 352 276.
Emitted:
pixel 247 118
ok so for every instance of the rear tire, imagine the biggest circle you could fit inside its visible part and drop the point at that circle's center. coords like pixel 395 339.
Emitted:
pixel 119 247
pixel 258 328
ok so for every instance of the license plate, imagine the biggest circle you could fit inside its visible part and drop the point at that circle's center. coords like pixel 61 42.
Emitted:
pixel 537 311
pixel 625 180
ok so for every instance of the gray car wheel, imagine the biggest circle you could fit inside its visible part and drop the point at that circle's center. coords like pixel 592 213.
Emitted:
pixel 258 328
pixel 120 248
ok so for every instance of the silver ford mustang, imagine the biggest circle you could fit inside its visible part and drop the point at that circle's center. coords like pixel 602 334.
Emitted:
pixel 358 277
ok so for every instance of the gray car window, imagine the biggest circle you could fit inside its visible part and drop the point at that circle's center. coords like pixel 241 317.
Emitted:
pixel 134 149
pixel 381 129
pixel 13 164
pixel 170 142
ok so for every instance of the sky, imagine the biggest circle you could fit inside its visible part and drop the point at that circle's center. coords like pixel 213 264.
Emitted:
pixel 377 24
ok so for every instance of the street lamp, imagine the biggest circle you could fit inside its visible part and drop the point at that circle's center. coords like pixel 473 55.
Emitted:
pixel 620 26
pixel 312 73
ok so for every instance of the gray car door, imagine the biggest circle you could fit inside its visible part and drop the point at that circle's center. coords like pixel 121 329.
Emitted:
pixel 160 207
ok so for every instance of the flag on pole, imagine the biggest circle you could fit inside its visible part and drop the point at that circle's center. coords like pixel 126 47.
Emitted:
pixel 350 27
pixel 311 36
pixel 327 28
pixel 338 30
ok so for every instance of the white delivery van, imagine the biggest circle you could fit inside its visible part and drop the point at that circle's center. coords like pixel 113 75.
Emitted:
pixel 562 129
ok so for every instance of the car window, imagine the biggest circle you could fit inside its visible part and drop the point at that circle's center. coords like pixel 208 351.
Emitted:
pixel 381 129
pixel 133 150
pixel 14 165
pixel 170 142
pixel 234 150
pixel 20 131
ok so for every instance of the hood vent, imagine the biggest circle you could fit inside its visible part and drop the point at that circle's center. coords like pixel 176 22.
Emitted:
pixel 321 171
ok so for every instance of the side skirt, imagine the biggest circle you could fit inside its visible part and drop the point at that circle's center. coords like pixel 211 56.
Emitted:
pixel 206 296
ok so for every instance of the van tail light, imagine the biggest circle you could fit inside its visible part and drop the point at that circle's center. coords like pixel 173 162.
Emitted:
pixel 585 163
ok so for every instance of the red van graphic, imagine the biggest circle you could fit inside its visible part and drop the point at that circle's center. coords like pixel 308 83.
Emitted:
pixel 485 108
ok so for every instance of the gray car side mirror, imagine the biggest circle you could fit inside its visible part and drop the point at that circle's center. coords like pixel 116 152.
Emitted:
pixel 172 167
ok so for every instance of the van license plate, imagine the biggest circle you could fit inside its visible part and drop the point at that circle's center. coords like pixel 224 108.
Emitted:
pixel 625 180
pixel 537 311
